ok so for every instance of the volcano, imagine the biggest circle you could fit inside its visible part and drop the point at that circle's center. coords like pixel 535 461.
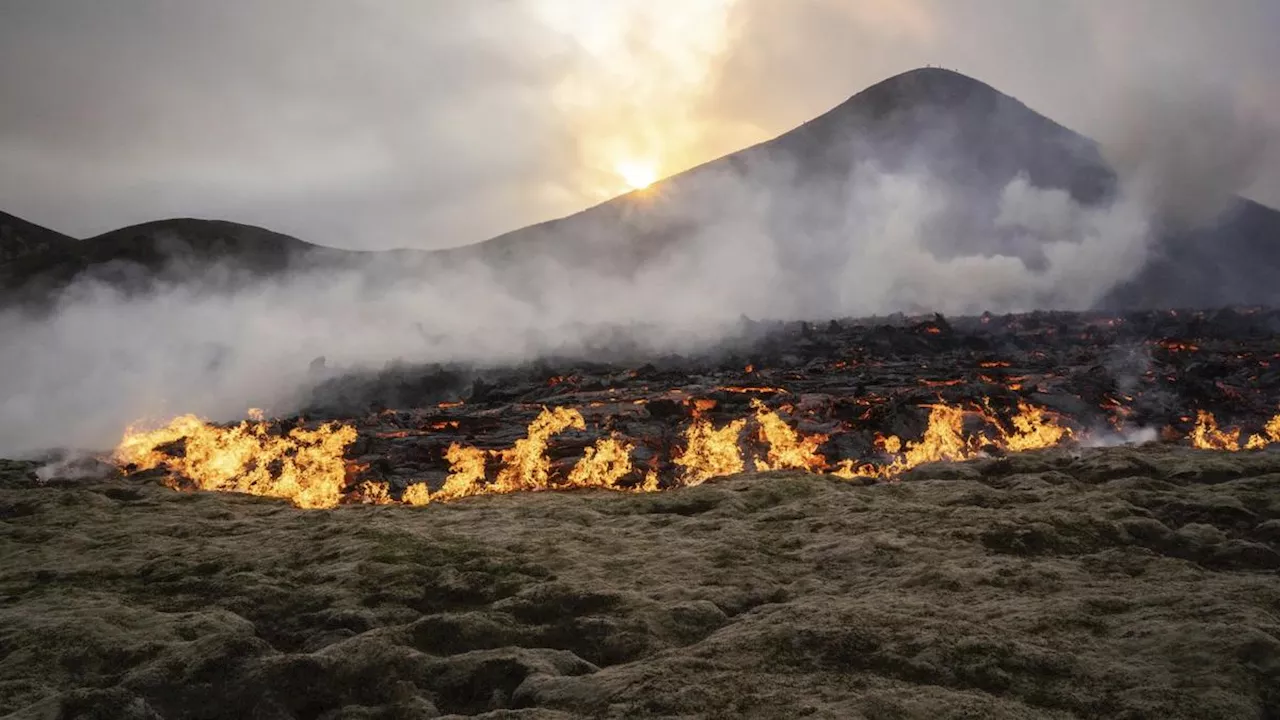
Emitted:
pixel 799 191
pixel 1042 514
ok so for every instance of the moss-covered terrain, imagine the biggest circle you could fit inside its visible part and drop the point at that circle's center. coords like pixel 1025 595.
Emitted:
pixel 1123 582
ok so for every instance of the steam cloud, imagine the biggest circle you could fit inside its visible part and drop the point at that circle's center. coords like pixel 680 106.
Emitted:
pixel 871 242
pixel 104 360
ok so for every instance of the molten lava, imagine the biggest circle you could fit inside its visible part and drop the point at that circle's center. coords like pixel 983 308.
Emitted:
pixel 308 466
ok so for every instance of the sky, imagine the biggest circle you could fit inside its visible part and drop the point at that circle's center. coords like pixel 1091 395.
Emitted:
pixel 433 123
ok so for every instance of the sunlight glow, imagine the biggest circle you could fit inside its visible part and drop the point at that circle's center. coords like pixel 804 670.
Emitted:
pixel 638 174
pixel 635 88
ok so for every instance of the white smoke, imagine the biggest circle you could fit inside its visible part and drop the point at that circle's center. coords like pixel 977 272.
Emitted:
pixel 1116 438
pixel 1187 151
pixel 103 360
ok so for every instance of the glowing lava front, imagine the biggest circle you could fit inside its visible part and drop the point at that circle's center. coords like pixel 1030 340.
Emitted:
pixel 308 466
pixel 304 466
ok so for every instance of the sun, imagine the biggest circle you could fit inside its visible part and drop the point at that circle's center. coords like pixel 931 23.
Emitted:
pixel 639 174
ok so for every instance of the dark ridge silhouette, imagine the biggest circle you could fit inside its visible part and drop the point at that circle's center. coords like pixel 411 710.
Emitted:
pixel 207 254
pixel 1233 261
pixel 19 238
pixel 972 138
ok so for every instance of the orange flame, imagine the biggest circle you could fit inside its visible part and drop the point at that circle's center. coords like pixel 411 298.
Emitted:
pixel 788 449
pixel 1207 436
pixel 466 473
pixel 305 467
pixel 526 464
pixel 308 467
pixel 603 465
pixel 1033 428
pixel 710 452
pixel 944 439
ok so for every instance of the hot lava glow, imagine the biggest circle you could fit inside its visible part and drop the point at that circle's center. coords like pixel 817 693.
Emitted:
pixel 308 466
pixel 710 452
pixel 1206 435
pixel 303 466
pixel 788 449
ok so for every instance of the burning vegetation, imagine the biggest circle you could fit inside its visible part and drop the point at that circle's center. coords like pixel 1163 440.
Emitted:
pixel 858 401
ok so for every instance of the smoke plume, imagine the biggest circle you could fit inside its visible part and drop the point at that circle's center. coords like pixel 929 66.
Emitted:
pixel 104 360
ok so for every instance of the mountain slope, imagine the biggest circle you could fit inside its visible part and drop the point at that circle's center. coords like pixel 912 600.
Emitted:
pixel 889 198
pixel 802 188
pixel 36 263
pixel 19 238
pixel 963 131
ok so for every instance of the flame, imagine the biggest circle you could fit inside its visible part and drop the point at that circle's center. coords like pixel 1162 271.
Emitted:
pixel 788 449
pixel 373 493
pixel 466 473
pixel 305 467
pixel 1206 435
pixel 603 465
pixel 416 494
pixel 1033 428
pixel 526 466
pixel 1270 434
pixel 308 467
pixel 710 452
pixel 943 439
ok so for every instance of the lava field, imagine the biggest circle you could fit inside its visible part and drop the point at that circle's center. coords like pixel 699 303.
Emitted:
pixel 863 399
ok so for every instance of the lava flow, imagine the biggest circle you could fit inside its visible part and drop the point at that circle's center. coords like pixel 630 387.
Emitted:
pixel 307 467
pixel 853 399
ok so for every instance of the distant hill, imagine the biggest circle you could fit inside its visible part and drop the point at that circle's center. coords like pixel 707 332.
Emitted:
pixel 795 188
pixel 35 263
pixel 19 239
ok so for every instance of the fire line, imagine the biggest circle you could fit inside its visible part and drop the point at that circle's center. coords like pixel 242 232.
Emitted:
pixel 308 466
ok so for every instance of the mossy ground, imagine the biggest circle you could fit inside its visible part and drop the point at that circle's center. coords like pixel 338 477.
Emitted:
pixel 1136 583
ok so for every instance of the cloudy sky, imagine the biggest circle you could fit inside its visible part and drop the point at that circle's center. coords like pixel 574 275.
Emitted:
pixel 428 123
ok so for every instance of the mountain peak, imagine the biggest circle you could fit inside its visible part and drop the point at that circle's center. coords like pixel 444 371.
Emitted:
pixel 927 89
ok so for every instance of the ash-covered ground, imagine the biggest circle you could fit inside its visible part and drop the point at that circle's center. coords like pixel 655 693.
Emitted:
pixel 1112 582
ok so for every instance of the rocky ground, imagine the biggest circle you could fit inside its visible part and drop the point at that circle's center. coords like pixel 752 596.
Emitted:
pixel 1121 582
pixel 847 380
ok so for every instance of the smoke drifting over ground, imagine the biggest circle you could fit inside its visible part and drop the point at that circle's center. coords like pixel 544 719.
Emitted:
pixel 104 360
